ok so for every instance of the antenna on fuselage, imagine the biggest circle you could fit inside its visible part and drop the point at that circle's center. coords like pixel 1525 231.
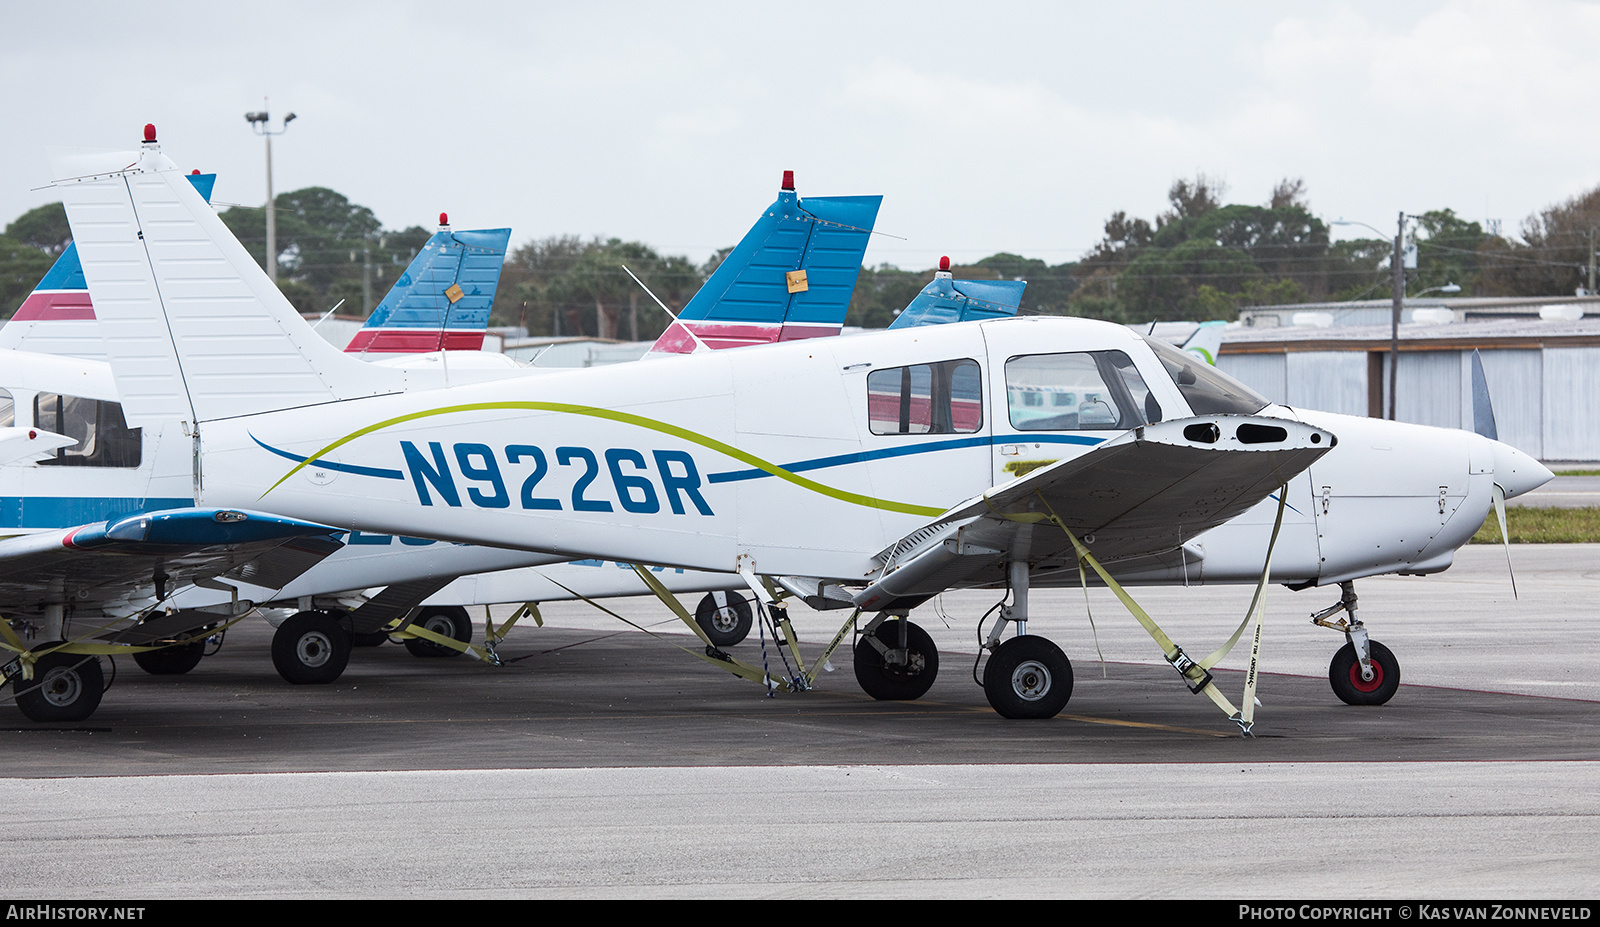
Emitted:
pixel 664 308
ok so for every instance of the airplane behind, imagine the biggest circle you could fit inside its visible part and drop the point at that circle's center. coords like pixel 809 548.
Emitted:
pixel 994 454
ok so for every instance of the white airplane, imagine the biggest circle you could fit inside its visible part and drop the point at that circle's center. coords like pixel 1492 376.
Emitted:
pixel 877 470
pixel 442 298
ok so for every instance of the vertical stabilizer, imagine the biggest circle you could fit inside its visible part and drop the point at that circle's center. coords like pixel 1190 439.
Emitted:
pixel 442 301
pixel 790 277
pixel 193 328
pixel 947 299
pixel 58 316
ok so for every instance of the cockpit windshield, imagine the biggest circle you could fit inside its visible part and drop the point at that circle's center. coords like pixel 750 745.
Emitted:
pixel 1208 390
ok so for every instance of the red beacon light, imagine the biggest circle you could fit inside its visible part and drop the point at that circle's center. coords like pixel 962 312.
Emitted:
pixel 788 180
pixel 444 218
pixel 195 172
pixel 149 133
pixel 944 264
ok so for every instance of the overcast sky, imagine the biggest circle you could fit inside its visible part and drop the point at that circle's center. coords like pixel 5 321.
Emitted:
pixel 987 127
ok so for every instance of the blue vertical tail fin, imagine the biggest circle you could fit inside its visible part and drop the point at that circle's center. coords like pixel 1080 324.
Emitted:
pixel 789 278
pixel 947 299
pixel 442 301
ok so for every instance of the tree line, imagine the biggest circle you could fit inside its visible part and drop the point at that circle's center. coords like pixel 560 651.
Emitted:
pixel 1201 258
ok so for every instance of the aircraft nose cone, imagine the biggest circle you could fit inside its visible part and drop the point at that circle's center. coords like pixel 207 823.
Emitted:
pixel 1516 472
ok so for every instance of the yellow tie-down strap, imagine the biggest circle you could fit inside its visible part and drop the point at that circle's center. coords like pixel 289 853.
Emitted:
pixel 1194 672
pixel 719 659
pixel 492 634
pixel 85 645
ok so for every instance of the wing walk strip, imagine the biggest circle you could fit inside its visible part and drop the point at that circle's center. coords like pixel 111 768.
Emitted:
pixel 1195 674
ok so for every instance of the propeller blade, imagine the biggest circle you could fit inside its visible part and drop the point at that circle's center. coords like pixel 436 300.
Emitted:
pixel 1505 536
pixel 1482 409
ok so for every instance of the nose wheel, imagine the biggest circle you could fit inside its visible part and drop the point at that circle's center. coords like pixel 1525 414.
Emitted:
pixel 1357 688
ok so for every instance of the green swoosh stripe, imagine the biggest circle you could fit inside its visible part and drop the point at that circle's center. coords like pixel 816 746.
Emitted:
pixel 640 421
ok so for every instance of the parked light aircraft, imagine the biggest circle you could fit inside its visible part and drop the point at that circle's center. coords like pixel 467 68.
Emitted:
pixel 775 461
pixel 815 234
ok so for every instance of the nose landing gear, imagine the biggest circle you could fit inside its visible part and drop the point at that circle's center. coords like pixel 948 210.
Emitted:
pixel 1363 671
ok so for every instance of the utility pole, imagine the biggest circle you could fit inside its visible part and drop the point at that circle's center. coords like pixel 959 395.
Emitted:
pixel 260 122
pixel 1398 282
pixel 1591 262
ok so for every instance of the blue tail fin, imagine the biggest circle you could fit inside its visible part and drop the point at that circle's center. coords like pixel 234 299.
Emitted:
pixel 947 299
pixel 789 278
pixel 442 301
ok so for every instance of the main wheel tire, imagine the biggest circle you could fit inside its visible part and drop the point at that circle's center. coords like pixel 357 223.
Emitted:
pixel 897 683
pixel 65 687
pixel 724 626
pixel 451 621
pixel 310 649
pixel 1028 677
pixel 1344 674
pixel 171 661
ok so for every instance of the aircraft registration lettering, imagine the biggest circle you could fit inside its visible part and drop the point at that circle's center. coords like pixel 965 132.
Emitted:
pixel 637 487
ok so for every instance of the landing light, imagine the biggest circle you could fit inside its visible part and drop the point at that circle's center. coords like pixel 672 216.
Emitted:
pixel 227 517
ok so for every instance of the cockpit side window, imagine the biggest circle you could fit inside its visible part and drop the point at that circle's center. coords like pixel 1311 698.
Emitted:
pixel 945 398
pixel 1080 391
pixel 1208 390
pixel 103 436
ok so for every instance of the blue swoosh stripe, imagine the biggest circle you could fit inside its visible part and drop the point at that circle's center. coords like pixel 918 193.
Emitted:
pixel 819 463
pixel 342 468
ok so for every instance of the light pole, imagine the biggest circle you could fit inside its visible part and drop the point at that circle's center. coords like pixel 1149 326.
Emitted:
pixel 261 123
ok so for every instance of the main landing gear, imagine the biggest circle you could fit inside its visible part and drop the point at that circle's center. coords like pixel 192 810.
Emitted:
pixel 895 660
pixel 311 648
pixel 1027 676
pixel 65 687
pixel 450 621
pixel 1363 671
pixel 725 617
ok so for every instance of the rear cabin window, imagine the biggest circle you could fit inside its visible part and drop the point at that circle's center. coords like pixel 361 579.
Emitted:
pixel 945 398
pixel 103 436
pixel 8 412
pixel 1081 391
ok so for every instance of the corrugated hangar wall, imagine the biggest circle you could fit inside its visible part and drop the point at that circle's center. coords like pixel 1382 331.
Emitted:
pixel 1546 400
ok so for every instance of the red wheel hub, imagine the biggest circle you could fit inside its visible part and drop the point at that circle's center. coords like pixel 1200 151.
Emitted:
pixel 1362 685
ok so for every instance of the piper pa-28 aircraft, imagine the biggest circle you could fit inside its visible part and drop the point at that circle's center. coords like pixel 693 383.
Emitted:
pixel 874 471
pixel 442 298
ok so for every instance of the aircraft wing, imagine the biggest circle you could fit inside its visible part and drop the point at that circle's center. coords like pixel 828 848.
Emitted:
pixel 150 554
pixel 1143 493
